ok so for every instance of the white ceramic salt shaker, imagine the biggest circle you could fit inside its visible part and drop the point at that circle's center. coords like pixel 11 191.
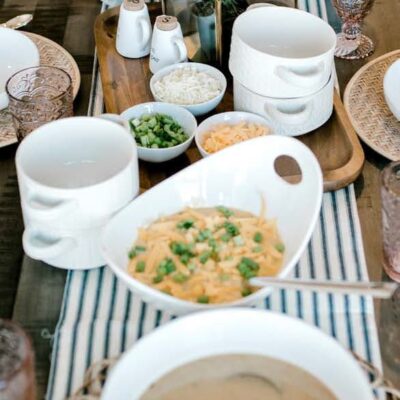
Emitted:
pixel 167 45
pixel 134 29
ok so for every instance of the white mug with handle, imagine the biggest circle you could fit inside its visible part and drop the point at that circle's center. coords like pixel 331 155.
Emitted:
pixel 167 44
pixel 74 174
pixel 134 29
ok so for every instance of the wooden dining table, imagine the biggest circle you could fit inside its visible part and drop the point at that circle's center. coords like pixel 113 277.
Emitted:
pixel 31 292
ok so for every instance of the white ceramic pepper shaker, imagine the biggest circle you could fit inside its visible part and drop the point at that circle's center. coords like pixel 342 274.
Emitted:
pixel 167 45
pixel 134 29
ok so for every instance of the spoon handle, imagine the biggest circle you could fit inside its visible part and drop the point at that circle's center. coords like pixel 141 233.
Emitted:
pixel 382 290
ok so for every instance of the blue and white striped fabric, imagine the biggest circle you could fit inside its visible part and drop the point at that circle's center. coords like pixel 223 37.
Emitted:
pixel 100 318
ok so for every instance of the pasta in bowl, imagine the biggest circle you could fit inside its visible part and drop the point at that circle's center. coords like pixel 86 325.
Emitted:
pixel 236 178
pixel 206 255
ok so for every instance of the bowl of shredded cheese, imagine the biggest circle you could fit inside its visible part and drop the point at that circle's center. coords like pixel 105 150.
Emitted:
pixel 226 129
pixel 197 87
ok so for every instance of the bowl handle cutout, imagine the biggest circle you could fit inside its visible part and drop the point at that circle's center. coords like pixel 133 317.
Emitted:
pixel 308 79
pixel 289 118
pixel 38 248
pixel 288 169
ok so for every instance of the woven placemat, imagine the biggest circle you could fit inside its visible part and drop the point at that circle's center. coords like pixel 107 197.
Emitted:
pixel 50 54
pixel 366 106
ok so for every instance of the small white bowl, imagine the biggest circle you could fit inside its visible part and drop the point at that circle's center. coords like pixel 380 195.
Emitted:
pixel 391 88
pixel 232 118
pixel 237 331
pixel 200 108
pixel 17 52
pixel 183 117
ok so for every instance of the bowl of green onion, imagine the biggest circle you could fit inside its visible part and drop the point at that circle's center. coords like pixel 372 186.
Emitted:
pixel 162 131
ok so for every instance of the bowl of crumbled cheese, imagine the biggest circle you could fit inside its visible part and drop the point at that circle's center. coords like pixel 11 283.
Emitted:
pixel 226 129
pixel 197 87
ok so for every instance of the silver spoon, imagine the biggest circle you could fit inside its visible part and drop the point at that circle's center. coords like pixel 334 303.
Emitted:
pixel 382 290
pixel 18 21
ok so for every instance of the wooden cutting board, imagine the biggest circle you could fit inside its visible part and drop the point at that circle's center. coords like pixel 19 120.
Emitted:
pixel 126 83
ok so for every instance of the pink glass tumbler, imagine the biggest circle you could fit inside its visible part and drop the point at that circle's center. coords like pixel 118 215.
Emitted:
pixel 390 193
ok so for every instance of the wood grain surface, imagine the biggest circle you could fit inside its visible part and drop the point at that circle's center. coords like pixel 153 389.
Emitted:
pixel 31 291
pixel 126 83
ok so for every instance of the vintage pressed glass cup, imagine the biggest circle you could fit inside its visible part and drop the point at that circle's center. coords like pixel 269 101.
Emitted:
pixel 351 43
pixel 17 379
pixel 390 193
pixel 38 95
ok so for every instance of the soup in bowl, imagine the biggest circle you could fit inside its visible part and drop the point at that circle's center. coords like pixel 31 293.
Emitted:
pixel 221 354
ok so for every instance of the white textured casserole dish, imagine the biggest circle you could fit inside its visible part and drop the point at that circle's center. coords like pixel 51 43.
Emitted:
pixel 235 177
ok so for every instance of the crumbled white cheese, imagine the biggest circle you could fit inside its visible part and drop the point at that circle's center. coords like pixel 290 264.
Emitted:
pixel 187 86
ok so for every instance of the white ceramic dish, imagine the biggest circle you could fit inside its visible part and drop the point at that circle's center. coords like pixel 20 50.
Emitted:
pixel 16 52
pixel 281 52
pixel 73 175
pixel 195 109
pixel 183 117
pixel 239 177
pixel 391 88
pixel 289 117
pixel 239 331
pixel 232 117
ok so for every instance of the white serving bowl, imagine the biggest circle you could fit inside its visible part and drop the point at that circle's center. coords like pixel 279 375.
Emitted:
pixel 183 117
pixel 200 108
pixel 239 331
pixel 281 52
pixel 232 118
pixel 238 177
pixel 391 88
pixel 289 117
pixel 17 52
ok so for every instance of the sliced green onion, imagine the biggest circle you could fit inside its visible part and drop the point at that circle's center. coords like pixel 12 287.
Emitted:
pixel 280 247
pixel 204 235
pixel 204 256
pixel 185 224
pixel 226 212
pixel 203 299
pixel 158 278
pixel 246 292
pixel 140 266
pixel 258 237
pixel 179 277
pixel 231 228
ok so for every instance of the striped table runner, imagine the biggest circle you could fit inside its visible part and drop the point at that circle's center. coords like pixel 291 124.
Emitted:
pixel 100 318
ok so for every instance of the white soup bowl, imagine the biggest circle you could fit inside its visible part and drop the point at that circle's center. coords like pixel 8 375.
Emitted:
pixel 17 52
pixel 73 175
pixel 239 331
pixel 281 52
pixel 289 117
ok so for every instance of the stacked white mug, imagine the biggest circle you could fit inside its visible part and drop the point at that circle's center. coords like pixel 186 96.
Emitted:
pixel 281 60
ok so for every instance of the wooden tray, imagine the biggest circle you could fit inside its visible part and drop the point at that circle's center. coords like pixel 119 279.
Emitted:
pixel 126 83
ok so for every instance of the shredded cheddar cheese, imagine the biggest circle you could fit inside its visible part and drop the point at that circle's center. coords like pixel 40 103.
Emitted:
pixel 224 135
